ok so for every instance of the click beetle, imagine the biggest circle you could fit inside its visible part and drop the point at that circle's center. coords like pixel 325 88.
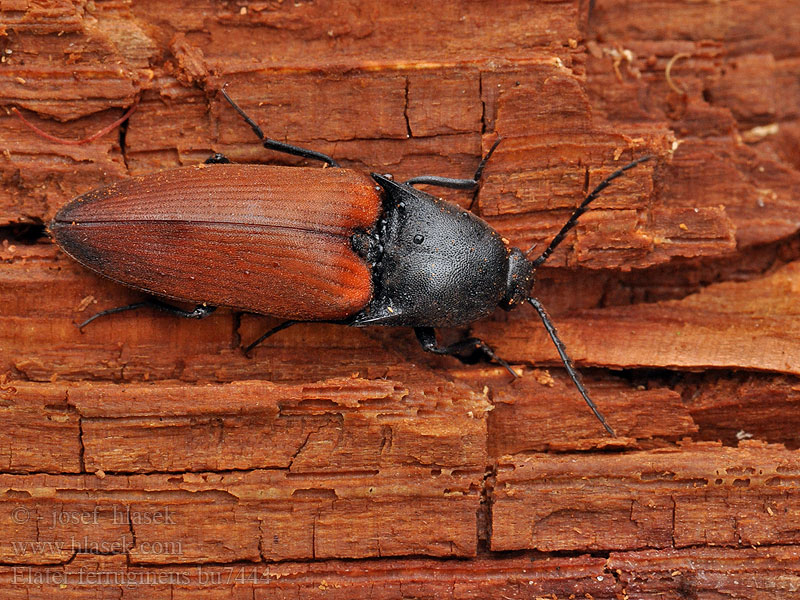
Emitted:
pixel 309 244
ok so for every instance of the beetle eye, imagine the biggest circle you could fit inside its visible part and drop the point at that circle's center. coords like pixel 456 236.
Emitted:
pixel 418 239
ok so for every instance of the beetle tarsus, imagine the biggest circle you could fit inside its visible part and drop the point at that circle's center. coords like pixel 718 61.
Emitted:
pixel 485 159
pixel 445 182
pixel 217 159
pixel 298 151
pixel 253 125
pixel 201 311
pixel 427 339
pixel 112 311
pixel 571 371
pixel 271 144
pixel 269 333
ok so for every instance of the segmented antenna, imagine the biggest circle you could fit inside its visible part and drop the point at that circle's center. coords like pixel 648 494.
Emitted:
pixel 582 209
pixel 548 323
pixel 571 371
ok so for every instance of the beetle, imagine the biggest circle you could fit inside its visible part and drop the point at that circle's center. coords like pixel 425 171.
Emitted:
pixel 309 244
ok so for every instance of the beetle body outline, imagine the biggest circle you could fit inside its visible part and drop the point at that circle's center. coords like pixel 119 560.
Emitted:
pixel 427 262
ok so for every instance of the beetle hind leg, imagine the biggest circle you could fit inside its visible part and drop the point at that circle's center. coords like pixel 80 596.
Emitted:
pixel 427 339
pixel 271 144
pixel 201 311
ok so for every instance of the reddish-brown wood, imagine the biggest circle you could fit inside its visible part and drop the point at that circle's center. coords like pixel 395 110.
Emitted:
pixel 697 494
pixel 249 471
pixel 640 417
pixel 515 578
pixel 676 295
pixel 707 572
pixel 751 324
pixel 745 406
pixel 761 573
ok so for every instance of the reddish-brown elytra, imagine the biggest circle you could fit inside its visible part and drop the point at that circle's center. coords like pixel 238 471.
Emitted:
pixel 309 244
pixel 230 235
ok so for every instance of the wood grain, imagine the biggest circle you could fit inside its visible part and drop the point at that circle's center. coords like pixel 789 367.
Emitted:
pixel 696 494
pixel 147 457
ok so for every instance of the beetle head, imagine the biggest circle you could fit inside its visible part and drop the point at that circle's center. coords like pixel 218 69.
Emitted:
pixel 521 276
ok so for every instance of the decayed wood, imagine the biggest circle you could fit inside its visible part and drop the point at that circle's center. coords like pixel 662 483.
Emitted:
pixel 703 572
pixel 759 573
pixel 258 515
pixel 746 406
pixel 338 425
pixel 374 459
pixel 390 578
pixel 339 443
pixel 695 494
pixel 752 325
pixel 543 411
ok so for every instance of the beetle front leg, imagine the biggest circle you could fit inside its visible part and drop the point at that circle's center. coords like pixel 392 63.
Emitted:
pixel 427 339
pixel 201 311
pixel 457 184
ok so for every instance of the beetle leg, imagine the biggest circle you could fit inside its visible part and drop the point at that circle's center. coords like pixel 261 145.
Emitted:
pixel 201 311
pixel 272 331
pixel 111 311
pixel 427 339
pixel 457 184
pixel 445 182
pixel 298 151
pixel 275 144
pixel 217 159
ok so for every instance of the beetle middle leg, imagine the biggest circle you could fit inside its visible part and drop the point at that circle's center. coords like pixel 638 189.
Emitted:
pixel 217 159
pixel 271 144
pixel 427 339
pixel 201 311
pixel 269 333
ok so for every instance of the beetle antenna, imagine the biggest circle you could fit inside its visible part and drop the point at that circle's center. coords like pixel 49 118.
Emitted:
pixel 571 371
pixel 583 208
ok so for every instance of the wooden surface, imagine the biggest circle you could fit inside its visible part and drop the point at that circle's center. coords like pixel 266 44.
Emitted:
pixel 148 458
